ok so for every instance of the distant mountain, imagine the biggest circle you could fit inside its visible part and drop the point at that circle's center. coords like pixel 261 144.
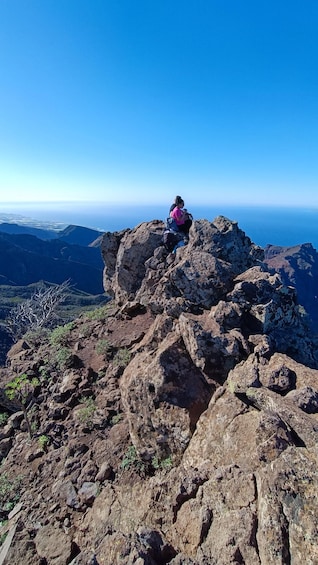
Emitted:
pixel 32 253
pixel 76 235
pixel 23 229
pixel 79 235
pixel 57 249
pixel 298 267
pixel 26 259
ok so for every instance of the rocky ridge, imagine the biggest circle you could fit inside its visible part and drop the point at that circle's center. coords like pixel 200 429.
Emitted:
pixel 180 421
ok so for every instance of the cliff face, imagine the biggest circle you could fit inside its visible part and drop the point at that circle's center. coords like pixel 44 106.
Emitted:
pixel 180 423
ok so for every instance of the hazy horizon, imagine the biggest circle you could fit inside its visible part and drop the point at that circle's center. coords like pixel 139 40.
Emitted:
pixel 264 225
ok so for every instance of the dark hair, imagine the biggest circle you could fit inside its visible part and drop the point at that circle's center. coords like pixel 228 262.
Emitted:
pixel 178 200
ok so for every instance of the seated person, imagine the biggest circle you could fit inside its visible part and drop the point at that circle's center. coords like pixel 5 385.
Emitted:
pixel 180 215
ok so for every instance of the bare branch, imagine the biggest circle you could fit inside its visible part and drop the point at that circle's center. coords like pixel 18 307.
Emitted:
pixel 39 311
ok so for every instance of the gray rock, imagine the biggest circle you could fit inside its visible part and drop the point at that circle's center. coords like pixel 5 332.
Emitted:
pixel 303 425
pixel 88 492
pixel 104 472
pixel 5 446
pixel 306 398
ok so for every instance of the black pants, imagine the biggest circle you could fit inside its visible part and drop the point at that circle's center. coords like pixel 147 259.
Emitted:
pixel 184 228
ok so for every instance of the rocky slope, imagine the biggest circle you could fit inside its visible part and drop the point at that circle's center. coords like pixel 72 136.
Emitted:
pixel 178 425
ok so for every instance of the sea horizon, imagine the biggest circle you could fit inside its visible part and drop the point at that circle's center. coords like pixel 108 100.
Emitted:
pixel 283 226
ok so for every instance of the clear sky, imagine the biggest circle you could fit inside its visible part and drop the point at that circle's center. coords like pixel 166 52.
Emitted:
pixel 136 101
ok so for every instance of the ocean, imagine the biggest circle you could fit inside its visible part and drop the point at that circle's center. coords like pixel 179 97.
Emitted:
pixel 264 225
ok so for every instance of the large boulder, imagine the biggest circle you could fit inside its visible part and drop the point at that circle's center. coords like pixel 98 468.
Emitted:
pixel 124 254
pixel 163 394
pixel 199 273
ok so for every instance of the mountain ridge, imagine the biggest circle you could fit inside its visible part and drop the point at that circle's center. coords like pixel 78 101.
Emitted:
pixel 27 259
pixel 182 426
pixel 73 234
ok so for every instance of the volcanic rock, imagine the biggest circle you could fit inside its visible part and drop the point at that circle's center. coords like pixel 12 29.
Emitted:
pixel 186 431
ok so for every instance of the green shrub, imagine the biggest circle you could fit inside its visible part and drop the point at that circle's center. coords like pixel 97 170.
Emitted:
pixel 3 536
pixel 131 460
pixel 122 357
pixel 34 427
pixel 60 335
pixel 100 313
pixel 85 331
pixel 63 358
pixel 43 441
pixel 44 372
pixel 21 389
pixel 161 463
pixel 37 336
pixel 101 373
pixel 3 418
pixel 9 491
pixel 116 418
pixel 86 414
pixel 103 347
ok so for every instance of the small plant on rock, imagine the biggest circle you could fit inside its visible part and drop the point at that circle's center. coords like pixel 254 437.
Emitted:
pixel 116 419
pixel 161 463
pixel 34 427
pixel 122 357
pixel 103 347
pixel 85 331
pixel 86 414
pixel 37 336
pixel 44 372
pixel 43 442
pixel 132 460
pixel 63 358
pixel 98 314
pixel 3 418
pixel 3 536
pixel 21 389
pixel 61 334
pixel 9 491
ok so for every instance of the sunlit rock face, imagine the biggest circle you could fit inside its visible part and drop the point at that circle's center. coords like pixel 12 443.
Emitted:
pixel 182 426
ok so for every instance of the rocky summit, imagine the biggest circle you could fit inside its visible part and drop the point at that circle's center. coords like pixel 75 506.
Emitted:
pixel 177 425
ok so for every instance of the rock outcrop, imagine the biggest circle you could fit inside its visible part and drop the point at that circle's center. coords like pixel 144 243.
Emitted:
pixel 178 424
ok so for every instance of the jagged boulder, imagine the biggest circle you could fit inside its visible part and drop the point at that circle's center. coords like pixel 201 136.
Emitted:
pixel 198 274
pixel 124 255
pixel 163 394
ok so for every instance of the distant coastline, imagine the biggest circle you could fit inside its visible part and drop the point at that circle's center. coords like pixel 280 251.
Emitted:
pixel 277 226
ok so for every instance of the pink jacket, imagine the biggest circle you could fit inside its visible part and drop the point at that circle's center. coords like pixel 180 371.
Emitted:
pixel 178 215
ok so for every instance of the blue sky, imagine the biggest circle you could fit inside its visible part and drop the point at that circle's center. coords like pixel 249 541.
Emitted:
pixel 121 101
